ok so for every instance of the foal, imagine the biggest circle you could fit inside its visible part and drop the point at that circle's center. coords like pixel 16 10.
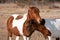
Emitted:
pixel 17 24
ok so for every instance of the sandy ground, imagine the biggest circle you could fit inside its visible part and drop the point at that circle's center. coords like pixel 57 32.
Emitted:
pixel 6 10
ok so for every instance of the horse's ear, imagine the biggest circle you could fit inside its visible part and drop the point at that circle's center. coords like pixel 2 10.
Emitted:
pixel 19 17
pixel 42 22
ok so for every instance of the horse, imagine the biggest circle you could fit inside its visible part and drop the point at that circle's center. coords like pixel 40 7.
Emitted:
pixel 16 23
pixel 21 25
pixel 53 25
pixel 33 25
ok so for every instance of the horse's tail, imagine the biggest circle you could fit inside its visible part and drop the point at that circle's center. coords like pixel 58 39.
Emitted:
pixel 9 23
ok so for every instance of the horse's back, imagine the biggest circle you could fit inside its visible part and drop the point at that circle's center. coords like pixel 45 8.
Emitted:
pixel 17 16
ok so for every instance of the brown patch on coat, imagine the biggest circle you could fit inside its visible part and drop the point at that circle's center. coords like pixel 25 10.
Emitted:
pixel 24 29
pixel 33 13
pixel 19 17
pixel 9 23
pixel 10 29
pixel 15 31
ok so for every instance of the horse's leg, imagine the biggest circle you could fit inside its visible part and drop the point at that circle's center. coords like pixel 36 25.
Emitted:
pixel 24 37
pixel 17 37
pixel 49 38
pixel 27 38
pixel 9 36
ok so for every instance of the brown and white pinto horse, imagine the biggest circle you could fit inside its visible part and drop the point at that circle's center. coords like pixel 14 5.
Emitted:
pixel 26 25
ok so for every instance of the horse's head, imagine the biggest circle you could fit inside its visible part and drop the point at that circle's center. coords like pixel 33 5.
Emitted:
pixel 40 27
pixel 33 13
pixel 32 25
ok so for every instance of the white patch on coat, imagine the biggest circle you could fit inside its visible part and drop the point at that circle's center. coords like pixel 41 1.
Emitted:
pixel 17 37
pixel 19 23
pixel 53 26
pixel 15 15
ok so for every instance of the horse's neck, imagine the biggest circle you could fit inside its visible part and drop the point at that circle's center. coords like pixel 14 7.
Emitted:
pixel 29 17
